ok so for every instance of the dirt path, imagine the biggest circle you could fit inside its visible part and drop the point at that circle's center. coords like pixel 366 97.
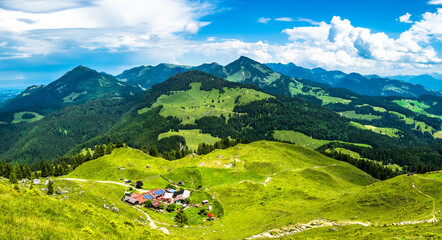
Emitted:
pixel 149 219
pixel 110 182
pixel 433 212
pixel 290 230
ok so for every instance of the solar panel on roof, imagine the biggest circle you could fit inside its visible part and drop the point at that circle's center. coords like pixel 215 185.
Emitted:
pixel 148 196
pixel 159 192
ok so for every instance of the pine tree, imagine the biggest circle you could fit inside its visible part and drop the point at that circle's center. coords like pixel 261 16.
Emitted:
pixel 181 218
pixel 88 156
pixel 153 151
pixel 27 172
pixel 119 144
pixel 2 170
pixel 110 147
pixel 145 149
pixel 44 170
pixel 50 187
pixel 17 171
pixel 12 178
pixel 99 151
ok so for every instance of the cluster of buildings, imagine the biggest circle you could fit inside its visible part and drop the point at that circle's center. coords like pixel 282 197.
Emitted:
pixel 158 196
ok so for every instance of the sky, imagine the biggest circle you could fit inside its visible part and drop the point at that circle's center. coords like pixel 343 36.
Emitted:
pixel 40 40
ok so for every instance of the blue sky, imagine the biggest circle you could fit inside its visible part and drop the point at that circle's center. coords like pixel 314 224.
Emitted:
pixel 42 39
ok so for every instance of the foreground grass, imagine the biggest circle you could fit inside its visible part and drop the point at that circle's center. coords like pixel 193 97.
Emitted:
pixel 263 186
pixel 78 214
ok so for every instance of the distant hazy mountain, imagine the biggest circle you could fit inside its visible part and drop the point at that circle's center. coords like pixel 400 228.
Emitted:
pixel 146 76
pixel 8 93
pixel 433 81
pixel 371 85
pixel 75 87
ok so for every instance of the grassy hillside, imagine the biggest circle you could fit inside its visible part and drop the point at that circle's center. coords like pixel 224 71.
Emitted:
pixel 258 187
pixel 263 171
pixel 303 140
pixel 78 214
pixel 195 103
pixel 193 137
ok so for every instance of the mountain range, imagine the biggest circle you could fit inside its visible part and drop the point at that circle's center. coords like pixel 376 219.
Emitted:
pixel 169 105
pixel 430 81
pixel 371 85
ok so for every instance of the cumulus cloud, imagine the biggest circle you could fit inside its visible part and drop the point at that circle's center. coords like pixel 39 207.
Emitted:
pixel 405 18
pixel 429 28
pixel 39 6
pixel 264 20
pixel 435 2
pixel 113 23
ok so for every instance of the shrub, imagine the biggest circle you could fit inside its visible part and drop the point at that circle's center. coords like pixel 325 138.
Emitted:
pixel 171 207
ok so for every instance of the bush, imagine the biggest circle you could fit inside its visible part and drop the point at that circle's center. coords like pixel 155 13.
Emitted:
pixel 148 203
pixel 203 211
pixel 171 207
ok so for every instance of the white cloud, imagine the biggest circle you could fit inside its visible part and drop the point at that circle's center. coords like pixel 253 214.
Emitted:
pixel 39 6
pixel 313 22
pixel 284 19
pixel 96 24
pixel 405 18
pixel 435 2
pixel 264 20
pixel 430 27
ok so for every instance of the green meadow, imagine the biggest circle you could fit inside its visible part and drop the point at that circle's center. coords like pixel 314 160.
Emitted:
pixel 193 137
pixel 196 103
pixel 256 188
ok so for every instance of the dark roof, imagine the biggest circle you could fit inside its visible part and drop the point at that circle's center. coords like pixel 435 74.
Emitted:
pixel 131 200
pixel 178 193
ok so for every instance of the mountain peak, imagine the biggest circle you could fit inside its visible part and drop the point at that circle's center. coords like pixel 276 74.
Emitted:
pixel 244 59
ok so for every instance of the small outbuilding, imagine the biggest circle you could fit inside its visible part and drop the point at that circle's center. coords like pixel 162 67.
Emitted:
pixel 131 200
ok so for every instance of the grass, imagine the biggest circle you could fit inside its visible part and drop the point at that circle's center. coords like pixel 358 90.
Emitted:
pixel 195 103
pixel 419 231
pixel 391 132
pixel 78 214
pixel 304 140
pixel 18 117
pixel 258 187
pixel 297 89
pixel 193 137
pixel 358 156
pixel 354 115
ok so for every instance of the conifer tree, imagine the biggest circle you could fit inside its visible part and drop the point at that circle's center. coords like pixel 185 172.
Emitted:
pixel 153 151
pixel 181 218
pixel 12 178
pixel 110 147
pixel 44 170
pixel 88 156
pixel 27 172
pixel 2 170
pixel 119 144
pixel 50 187
pixel 145 149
